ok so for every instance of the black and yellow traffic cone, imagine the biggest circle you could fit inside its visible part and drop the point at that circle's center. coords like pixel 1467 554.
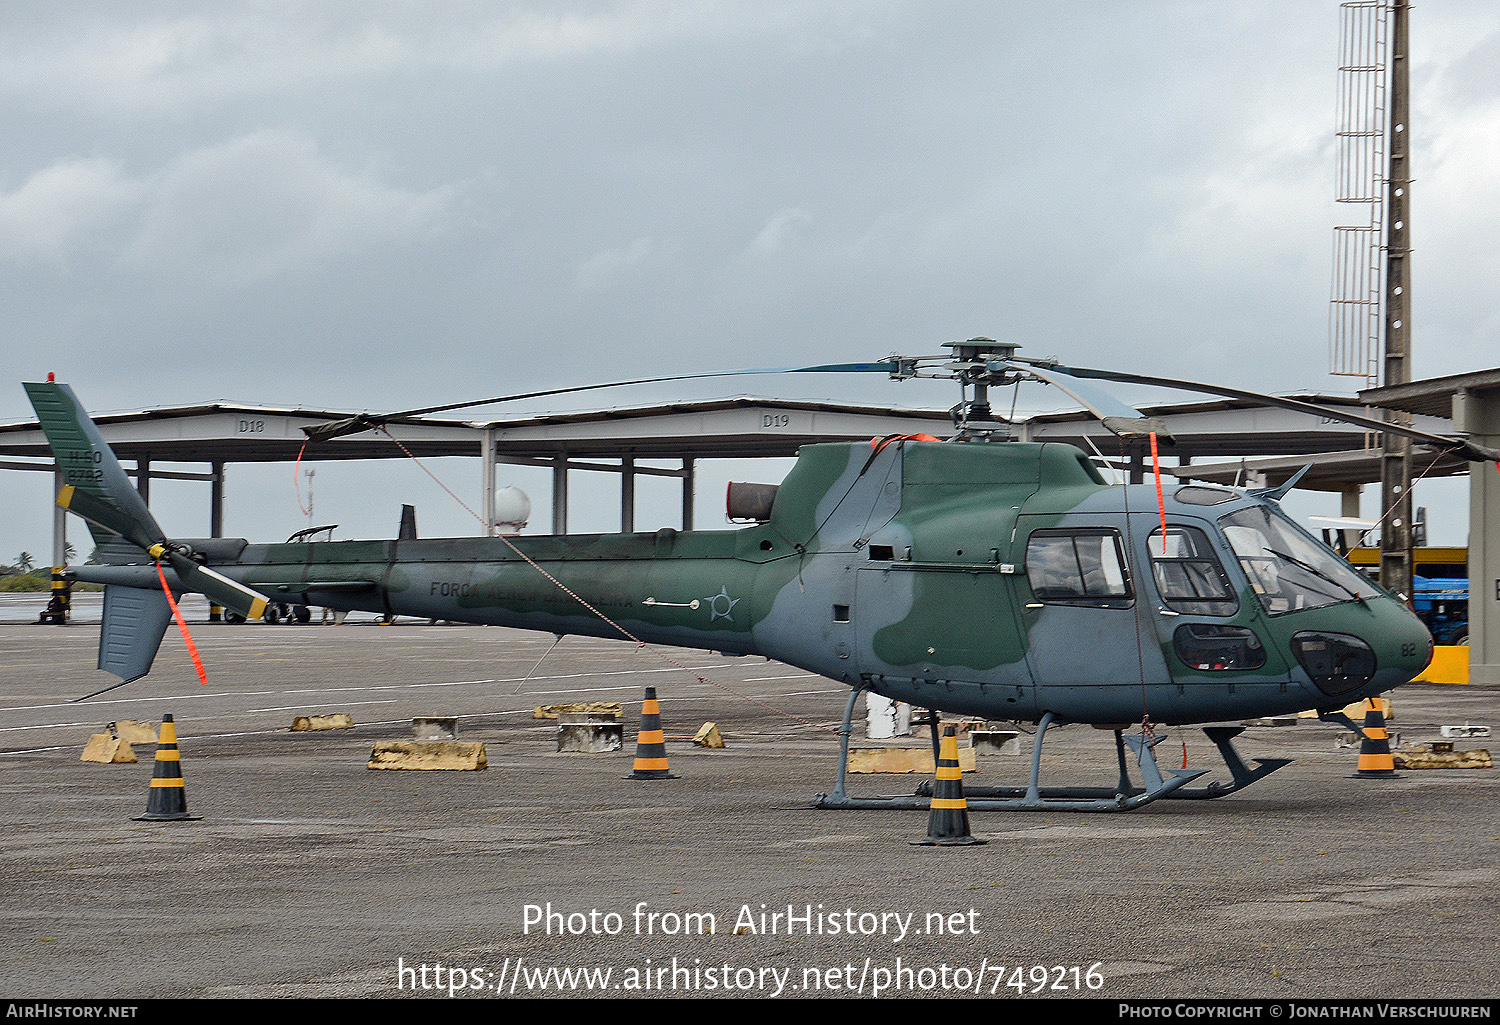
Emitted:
pixel 1375 750
pixel 948 818
pixel 650 743
pixel 168 800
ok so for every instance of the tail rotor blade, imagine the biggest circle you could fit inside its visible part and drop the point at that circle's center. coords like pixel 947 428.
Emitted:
pixel 89 466
pixel 102 514
pixel 218 588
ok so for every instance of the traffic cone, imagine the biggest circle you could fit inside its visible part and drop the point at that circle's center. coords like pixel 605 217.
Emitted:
pixel 948 819
pixel 650 744
pixel 1375 750
pixel 168 800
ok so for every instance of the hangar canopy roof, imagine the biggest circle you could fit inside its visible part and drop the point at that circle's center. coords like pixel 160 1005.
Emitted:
pixel 742 427
pixel 717 429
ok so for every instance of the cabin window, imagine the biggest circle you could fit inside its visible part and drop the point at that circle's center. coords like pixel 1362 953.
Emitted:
pixel 841 613
pixel 1078 567
pixel 1189 577
pixel 1196 494
pixel 1288 570
pixel 1210 647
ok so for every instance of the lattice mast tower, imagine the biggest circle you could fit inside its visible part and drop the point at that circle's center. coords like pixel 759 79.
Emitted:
pixel 1370 323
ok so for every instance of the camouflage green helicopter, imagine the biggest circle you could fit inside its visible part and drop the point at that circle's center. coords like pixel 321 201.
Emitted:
pixel 974 576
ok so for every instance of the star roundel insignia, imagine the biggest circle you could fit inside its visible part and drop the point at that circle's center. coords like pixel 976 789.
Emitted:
pixel 721 606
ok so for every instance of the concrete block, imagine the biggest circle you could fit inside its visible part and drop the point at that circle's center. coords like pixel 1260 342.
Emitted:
pixel 1465 731
pixel 961 728
pixel 133 732
pixel 106 748
pixel 581 734
pixel 903 760
pixel 336 721
pixel 1356 711
pixel 995 742
pixel 709 736
pixel 578 708
pixel 1441 755
pixel 435 729
pixel 427 754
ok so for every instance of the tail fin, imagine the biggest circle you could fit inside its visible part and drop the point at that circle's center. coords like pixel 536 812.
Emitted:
pixel 135 620
pixel 96 488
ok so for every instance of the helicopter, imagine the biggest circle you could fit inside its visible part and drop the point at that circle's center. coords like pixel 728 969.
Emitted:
pixel 974 576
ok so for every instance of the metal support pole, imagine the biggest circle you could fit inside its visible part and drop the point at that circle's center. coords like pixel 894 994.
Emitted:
pixel 59 523
pixel 689 479
pixel 487 480
pixel 627 495
pixel 59 607
pixel 1395 463
pixel 216 501
pixel 1477 414
pixel 1349 505
pixel 560 493
pixel 143 478
pixel 216 523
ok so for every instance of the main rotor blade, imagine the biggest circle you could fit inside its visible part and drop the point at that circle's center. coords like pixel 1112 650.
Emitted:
pixel 365 422
pixel 1460 446
pixel 1116 416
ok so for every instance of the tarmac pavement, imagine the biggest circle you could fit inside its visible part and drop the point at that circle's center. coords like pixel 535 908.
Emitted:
pixel 551 874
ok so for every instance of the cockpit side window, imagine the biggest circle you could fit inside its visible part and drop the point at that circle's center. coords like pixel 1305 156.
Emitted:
pixel 1078 567
pixel 1288 570
pixel 1189 577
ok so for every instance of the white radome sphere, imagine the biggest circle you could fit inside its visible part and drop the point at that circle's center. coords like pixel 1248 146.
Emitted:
pixel 512 509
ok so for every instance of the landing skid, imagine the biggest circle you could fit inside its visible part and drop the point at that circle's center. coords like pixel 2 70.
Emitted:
pixel 1241 774
pixel 1034 797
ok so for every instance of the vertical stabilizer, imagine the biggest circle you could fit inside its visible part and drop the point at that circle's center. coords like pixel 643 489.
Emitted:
pixel 135 620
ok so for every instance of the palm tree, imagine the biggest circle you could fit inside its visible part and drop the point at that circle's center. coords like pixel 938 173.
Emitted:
pixel 24 562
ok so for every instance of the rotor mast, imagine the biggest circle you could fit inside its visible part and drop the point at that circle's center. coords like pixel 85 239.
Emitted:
pixel 977 364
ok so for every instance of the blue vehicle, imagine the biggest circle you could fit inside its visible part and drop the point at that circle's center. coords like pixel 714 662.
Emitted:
pixel 1443 604
pixel 1440 588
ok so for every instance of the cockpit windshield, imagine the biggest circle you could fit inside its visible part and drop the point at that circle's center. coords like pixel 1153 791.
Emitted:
pixel 1287 568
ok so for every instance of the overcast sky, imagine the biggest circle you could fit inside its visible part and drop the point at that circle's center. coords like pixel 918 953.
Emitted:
pixel 384 205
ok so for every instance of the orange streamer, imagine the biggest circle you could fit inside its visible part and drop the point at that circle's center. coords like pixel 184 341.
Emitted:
pixel 1161 503
pixel 182 625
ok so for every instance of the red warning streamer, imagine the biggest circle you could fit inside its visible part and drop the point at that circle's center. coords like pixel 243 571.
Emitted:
pixel 297 478
pixel 1161 503
pixel 182 625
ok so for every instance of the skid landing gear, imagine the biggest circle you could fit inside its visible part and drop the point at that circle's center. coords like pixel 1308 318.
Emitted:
pixel 1241 775
pixel 1034 797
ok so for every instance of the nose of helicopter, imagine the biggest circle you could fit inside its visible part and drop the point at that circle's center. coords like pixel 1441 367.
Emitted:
pixel 1357 659
pixel 1411 644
